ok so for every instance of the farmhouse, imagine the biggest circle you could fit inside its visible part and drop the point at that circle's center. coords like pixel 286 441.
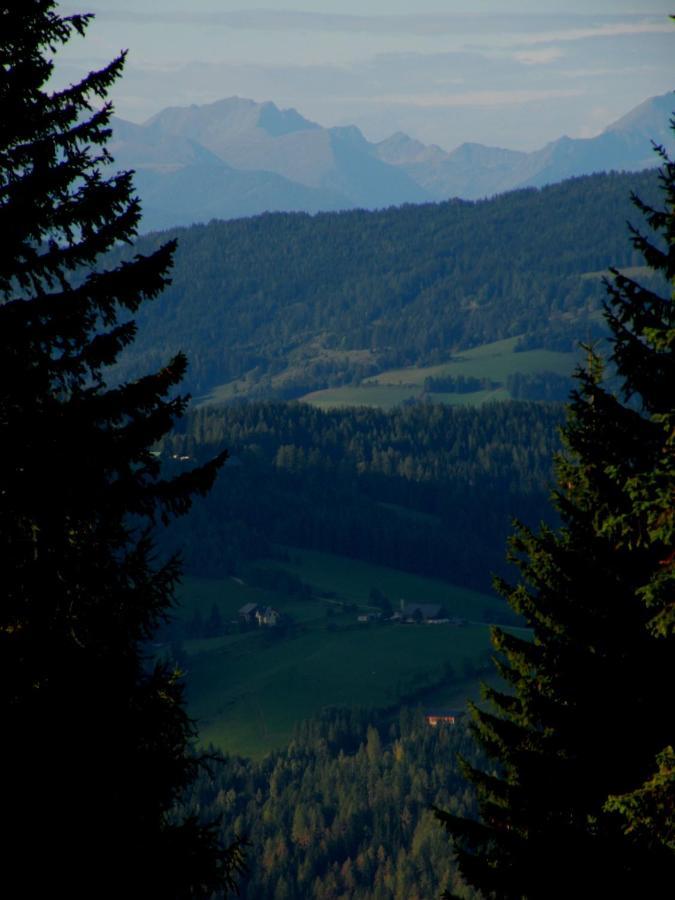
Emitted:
pixel 436 717
pixel 261 615
pixel 247 612
pixel 420 612
pixel 369 617
pixel 267 615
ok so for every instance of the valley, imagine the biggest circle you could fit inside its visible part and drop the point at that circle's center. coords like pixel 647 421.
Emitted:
pixel 389 405
pixel 336 495
pixel 328 516
pixel 249 689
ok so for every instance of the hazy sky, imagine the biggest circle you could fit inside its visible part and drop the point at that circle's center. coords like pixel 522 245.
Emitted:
pixel 444 72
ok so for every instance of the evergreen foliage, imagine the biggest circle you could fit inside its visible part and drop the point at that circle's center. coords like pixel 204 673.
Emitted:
pixel 297 302
pixel 580 800
pixel 97 742
pixel 426 488
pixel 343 811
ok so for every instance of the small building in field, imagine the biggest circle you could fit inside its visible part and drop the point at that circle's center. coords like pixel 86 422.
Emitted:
pixel 263 616
pixel 436 717
pixel 247 613
pixel 421 612
pixel 267 616
pixel 369 617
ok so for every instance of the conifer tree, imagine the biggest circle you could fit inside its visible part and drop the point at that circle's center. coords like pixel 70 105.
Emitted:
pixel 580 800
pixel 96 738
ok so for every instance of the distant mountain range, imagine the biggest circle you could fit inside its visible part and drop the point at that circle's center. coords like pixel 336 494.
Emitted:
pixel 236 158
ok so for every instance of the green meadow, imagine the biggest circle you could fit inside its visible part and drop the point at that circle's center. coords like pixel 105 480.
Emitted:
pixel 495 361
pixel 383 396
pixel 247 690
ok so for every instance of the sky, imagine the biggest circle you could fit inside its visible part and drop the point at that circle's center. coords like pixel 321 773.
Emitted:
pixel 442 72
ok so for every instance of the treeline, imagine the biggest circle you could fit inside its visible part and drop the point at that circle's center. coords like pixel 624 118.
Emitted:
pixel 428 489
pixel 548 386
pixel 457 384
pixel 302 294
pixel 346 809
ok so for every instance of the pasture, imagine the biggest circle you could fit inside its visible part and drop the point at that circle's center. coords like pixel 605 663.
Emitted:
pixel 495 361
pixel 248 689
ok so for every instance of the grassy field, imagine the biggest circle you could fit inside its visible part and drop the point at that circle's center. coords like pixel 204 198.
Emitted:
pixel 247 693
pixel 311 353
pixel 383 396
pixel 386 396
pixel 352 579
pixel 495 361
pixel 248 689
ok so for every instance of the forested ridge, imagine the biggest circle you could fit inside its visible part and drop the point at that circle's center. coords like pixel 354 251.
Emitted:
pixel 426 488
pixel 345 809
pixel 300 294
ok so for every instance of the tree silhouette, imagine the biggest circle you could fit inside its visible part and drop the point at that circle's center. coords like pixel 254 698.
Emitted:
pixel 580 799
pixel 97 741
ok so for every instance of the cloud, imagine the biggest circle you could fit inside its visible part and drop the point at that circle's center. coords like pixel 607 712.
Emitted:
pixel 473 99
pixel 539 28
pixel 542 56
pixel 609 72
pixel 532 78
pixel 607 30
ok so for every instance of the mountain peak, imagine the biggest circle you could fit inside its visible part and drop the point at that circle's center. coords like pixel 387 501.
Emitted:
pixel 649 119
pixel 399 149
pixel 349 133
pixel 277 121
pixel 234 115
pixel 278 159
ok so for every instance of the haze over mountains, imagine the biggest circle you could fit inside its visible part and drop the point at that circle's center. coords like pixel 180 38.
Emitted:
pixel 237 158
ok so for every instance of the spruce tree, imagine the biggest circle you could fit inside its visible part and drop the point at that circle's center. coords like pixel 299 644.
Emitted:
pixel 579 801
pixel 96 737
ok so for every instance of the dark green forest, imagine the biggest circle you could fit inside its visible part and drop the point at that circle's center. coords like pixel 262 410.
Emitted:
pixel 331 298
pixel 345 810
pixel 80 490
pixel 425 488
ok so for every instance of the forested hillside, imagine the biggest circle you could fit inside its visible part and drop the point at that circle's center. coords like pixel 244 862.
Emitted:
pixel 345 809
pixel 425 488
pixel 333 297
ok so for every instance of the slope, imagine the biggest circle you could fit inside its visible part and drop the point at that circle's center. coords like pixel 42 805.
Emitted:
pixel 331 299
